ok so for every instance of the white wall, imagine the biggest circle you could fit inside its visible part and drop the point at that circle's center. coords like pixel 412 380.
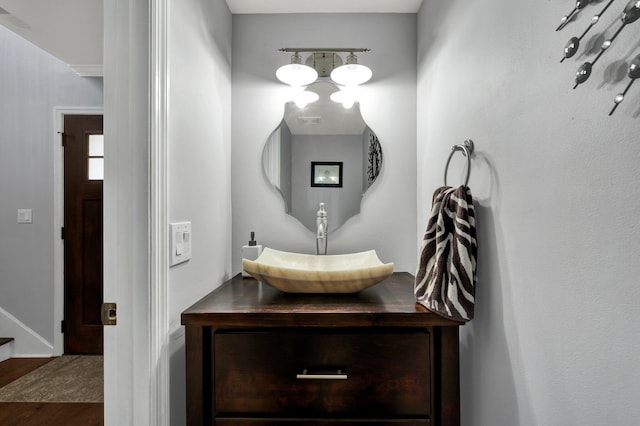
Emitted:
pixel 32 83
pixel 387 105
pixel 554 340
pixel 199 162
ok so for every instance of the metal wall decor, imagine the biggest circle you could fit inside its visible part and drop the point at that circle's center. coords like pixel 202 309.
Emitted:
pixel 629 15
pixel 574 42
pixel 633 72
pixel 565 19
pixel 374 159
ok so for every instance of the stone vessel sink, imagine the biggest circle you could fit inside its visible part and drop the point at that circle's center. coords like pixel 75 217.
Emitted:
pixel 305 273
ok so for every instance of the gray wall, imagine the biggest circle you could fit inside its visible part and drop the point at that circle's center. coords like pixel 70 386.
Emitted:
pixel 32 83
pixel 341 202
pixel 387 104
pixel 554 340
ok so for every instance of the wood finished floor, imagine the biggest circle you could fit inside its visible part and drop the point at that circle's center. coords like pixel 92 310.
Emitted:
pixel 39 413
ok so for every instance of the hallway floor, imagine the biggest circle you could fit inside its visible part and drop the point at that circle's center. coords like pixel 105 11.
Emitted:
pixel 42 413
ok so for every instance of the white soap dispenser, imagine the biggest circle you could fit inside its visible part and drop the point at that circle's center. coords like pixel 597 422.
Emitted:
pixel 251 252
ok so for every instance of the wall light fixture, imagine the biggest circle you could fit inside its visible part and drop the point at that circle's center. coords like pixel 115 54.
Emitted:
pixel 351 73
pixel 296 73
pixel 324 62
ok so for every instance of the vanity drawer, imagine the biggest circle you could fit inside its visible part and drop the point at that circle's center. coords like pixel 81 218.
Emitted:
pixel 323 372
pixel 321 422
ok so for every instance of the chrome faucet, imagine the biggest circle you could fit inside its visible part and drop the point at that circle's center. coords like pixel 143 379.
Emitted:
pixel 321 230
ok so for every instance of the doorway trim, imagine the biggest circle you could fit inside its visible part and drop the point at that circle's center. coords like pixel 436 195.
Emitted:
pixel 160 401
pixel 58 217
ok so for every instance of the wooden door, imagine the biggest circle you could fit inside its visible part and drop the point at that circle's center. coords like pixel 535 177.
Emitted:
pixel 82 233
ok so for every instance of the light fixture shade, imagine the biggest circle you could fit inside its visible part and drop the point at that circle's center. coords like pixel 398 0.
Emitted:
pixel 296 74
pixel 351 74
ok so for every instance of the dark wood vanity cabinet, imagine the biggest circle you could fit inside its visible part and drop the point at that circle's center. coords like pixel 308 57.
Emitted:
pixel 257 356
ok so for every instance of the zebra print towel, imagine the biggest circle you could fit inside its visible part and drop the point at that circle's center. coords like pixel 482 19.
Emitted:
pixel 446 275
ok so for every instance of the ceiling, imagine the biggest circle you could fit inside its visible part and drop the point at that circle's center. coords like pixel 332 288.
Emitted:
pixel 324 6
pixel 71 30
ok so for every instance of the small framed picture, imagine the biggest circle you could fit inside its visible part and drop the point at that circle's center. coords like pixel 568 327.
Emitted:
pixel 324 173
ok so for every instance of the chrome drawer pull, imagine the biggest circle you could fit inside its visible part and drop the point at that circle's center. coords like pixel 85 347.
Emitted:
pixel 338 375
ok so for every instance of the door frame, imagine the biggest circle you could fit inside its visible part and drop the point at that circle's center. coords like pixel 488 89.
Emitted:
pixel 58 217
pixel 158 214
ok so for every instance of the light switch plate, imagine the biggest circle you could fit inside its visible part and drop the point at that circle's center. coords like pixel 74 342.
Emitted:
pixel 25 216
pixel 180 234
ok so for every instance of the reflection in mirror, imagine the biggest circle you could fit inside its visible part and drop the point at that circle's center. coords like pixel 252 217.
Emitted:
pixel 322 132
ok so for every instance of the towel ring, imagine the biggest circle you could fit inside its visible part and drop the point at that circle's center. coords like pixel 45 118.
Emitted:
pixel 467 149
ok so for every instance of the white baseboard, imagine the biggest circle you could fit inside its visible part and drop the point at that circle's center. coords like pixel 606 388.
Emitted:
pixel 27 343
pixel 6 351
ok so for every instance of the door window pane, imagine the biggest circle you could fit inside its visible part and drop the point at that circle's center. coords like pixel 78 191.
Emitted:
pixel 96 157
pixel 96 145
pixel 96 168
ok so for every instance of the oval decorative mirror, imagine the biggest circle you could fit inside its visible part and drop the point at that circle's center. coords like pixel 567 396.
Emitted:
pixel 322 153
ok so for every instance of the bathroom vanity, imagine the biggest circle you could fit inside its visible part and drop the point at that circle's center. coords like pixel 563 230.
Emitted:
pixel 259 356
